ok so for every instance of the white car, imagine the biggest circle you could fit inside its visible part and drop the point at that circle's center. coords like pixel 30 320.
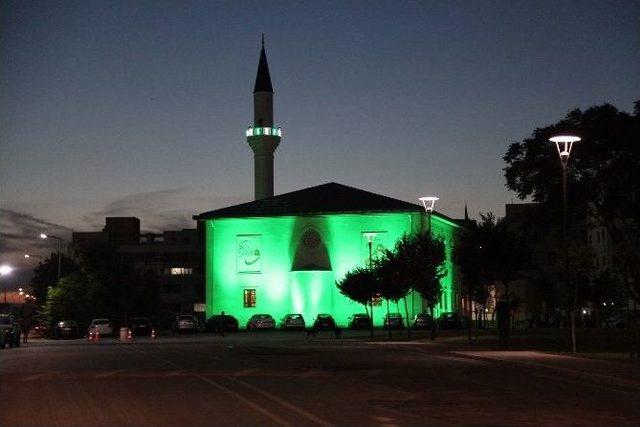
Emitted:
pixel 102 326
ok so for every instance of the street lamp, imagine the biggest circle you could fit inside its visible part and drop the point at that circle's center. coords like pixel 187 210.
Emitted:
pixel 564 143
pixel 5 270
pixel 33 256
pixel 429 203
pixel 59 239
pixel 371 236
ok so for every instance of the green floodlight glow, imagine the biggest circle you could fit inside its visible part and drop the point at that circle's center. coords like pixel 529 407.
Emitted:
pixel 260 131
pixel 291 272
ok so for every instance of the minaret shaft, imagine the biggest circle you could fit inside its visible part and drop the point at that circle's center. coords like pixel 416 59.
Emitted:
pixel 263 137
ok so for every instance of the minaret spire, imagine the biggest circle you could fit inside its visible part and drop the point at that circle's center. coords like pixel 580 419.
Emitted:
pixel 263 137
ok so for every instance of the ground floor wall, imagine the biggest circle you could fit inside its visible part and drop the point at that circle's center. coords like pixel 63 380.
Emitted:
pixel 282 265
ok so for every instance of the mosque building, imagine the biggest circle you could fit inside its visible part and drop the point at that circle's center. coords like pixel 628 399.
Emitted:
pixel 283 254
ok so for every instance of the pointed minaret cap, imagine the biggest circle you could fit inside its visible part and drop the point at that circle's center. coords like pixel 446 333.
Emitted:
pixel 263 79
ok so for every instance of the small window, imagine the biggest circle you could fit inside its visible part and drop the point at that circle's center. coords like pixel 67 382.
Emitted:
pixel 249 297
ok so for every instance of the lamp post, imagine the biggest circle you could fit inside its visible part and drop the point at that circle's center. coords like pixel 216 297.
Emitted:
pixel 370 238
pixel 59 239
pixel 429 203
pixel 564 144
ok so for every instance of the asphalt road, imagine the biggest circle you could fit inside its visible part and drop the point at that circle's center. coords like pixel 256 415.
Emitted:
pixel 285 379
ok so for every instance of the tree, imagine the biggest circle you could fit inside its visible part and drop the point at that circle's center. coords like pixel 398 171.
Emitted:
pixel 603 173
pixel 73 299
pixel 393 286
pixel 419 262
pixel 360 285
pixel 45 275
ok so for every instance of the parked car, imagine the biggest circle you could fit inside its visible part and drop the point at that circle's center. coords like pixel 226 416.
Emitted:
pixel 261 321
pixel 293 321
pixel 422 321
pixel 393 321
pixel 10 332
pixel 101 326
pixel 185 323
pixel 359 321
pixel 449 321
pixel 621 320
pixel 218 321
pixel 324 322
pixel 66 329
pixel 141 327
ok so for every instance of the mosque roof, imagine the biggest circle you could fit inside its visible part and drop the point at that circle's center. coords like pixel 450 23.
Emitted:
pixel 321 199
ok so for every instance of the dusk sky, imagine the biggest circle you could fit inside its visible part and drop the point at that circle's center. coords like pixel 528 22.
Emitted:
pixel 138 108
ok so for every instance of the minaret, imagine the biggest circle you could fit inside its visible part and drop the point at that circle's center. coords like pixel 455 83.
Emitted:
pixel 263 137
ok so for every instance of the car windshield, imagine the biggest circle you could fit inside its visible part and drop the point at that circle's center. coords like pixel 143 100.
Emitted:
pixel 394 315
pixel 294 316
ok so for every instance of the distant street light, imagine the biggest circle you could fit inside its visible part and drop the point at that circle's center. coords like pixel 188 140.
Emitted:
pixel 59 239
pixel 33 256
pixel 563 145
pixel 4 271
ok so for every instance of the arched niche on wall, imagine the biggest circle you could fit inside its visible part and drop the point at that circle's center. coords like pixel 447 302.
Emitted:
pixel 311 253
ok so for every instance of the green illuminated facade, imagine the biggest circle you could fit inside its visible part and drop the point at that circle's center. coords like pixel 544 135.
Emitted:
pixel 262 261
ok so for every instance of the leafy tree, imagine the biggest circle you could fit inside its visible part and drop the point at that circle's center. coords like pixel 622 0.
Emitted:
pixel 393 286
pixel 603 173
pixel 71 299
pixel 360 285
pixel 45 275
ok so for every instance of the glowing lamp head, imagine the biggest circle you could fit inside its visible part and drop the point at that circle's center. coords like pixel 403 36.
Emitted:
pixel 429 202
pixel 43 236
pixel 564 144
pixel 5 269
pixel 370 237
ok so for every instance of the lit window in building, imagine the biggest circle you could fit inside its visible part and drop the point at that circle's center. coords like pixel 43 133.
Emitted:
pixel 180 271
pixel 249 297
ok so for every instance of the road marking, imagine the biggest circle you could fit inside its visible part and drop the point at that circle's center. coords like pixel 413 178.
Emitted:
pixel 288 405
pixel 110 373
pixel 224 389
pixel 245 372
pixel 39 376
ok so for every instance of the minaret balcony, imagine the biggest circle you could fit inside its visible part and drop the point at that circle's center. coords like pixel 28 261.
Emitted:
pixel 251 131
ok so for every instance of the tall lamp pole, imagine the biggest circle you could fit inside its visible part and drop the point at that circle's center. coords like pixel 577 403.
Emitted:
pixel 370 238
pixel 59 239
pixel 564 144
pixel 429 203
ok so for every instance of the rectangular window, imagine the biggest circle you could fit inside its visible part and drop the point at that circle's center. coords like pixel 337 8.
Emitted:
pixel 180 271
pixel 249 297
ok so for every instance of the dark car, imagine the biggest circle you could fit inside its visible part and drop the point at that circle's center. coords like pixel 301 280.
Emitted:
pixel 292 321
pixel 449 321
pixel 360 321
pixel 185 323
pixel 9 332
pixel 225 322
pixel 66 329
pixel 141 327
pixel 324 321
pixel 393 321
pixel 261 322
pixel 422 321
